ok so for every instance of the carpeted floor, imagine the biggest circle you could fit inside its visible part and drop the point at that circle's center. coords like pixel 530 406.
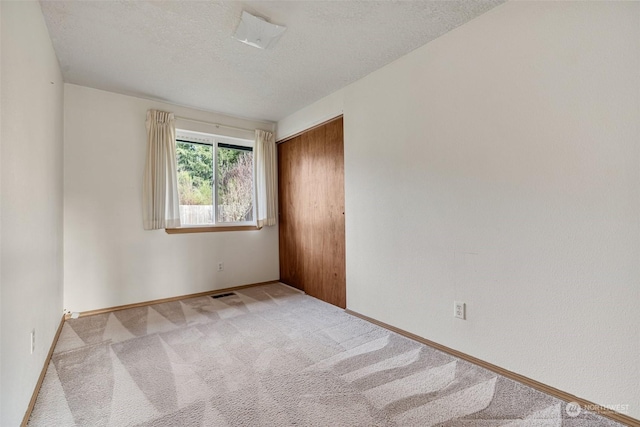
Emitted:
pixel 271 356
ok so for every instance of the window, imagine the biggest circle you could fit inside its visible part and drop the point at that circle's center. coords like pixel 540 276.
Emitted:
pixel 214 171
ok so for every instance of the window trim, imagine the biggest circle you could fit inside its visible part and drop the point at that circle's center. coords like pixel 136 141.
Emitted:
pixel 210 229
pixel 216 141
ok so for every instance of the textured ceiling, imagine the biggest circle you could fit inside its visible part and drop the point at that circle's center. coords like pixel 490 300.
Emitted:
pixel 182 51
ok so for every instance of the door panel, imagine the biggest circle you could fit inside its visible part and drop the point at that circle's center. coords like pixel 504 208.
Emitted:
pixel 311 207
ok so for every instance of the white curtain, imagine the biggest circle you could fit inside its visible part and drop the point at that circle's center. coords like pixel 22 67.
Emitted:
pixel 160 200
pixel 265 178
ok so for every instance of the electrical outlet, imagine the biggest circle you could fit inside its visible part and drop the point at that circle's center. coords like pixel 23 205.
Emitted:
pixel 33 340
pixel 220 266
pixel 459 310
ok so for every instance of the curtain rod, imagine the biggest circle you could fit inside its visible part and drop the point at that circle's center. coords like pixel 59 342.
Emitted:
pixel 218 125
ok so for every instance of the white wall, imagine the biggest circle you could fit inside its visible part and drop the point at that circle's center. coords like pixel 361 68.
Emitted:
pixel 326 108
pixel 31 203
pixel 499 165
pixel 109 259
pixel 1 119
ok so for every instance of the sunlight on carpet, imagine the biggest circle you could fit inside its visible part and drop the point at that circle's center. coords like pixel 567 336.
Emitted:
pixel 271 356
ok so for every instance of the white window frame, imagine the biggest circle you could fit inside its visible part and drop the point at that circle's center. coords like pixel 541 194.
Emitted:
pixel 184 135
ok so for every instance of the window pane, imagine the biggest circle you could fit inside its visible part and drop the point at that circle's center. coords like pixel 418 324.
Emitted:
pixel 235 184
pixel 195 182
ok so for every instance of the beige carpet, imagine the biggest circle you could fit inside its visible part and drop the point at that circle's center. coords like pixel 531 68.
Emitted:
pixel 271 356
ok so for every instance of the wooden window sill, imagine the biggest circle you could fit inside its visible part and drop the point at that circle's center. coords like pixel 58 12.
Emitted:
pixel 184 230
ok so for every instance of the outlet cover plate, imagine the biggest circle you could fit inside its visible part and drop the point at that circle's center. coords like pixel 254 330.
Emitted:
pixel 459 310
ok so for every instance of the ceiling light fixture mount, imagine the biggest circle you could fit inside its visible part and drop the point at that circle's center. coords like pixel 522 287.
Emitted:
pixel 257 32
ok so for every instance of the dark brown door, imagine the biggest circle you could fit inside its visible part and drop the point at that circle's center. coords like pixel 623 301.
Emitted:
pixel 311 207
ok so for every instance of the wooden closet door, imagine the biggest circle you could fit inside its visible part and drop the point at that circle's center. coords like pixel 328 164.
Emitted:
pixel 311 207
